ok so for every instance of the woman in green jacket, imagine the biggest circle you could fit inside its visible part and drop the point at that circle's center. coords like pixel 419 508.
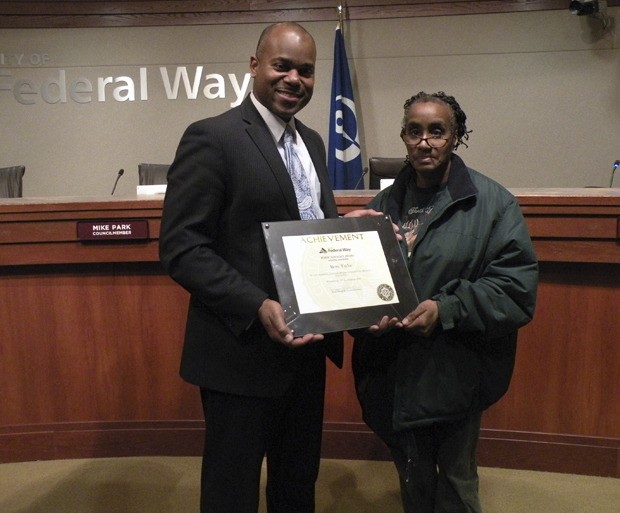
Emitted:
pixel 424 384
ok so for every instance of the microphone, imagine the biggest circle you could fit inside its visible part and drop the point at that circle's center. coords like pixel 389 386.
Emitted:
pixel 364 171
pixel 118 177
pixel 613 170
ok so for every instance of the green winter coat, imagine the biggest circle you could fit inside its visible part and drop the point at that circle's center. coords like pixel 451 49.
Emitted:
pixel 475 257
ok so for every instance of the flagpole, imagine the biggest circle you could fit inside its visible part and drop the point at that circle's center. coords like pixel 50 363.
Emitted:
pixel 340 18
pixel 344 154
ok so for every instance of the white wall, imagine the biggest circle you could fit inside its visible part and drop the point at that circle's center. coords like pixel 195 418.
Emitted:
pixel 540 91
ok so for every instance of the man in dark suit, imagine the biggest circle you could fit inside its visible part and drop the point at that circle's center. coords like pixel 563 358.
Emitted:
pixel 262 386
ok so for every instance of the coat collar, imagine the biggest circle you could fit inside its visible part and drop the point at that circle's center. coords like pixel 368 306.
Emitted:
pixel 459 186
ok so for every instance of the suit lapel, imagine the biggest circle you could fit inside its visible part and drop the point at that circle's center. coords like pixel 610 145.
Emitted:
pixel 260 134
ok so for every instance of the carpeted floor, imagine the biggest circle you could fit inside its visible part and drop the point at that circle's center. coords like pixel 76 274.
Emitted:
pixel 171 485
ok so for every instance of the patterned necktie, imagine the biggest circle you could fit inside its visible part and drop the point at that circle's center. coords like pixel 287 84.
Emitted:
pixel 298 176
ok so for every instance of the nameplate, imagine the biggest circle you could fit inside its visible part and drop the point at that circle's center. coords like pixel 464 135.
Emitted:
pixel 115 229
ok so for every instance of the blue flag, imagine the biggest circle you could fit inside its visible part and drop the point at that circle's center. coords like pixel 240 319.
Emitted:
pixel 344 157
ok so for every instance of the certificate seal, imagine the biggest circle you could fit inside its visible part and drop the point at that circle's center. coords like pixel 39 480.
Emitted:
pixel 385 292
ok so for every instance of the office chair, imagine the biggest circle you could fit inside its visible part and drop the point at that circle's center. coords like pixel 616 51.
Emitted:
pixel 11 181
pixel 383 167
pixel 152 174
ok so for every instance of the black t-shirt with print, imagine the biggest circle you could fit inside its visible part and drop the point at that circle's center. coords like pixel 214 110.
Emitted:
pixel 417 207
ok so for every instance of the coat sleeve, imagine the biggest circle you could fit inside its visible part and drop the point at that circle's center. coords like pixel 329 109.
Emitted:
pixel 502 296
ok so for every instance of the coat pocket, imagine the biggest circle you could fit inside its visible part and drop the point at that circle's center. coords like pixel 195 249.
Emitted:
pixel 436 382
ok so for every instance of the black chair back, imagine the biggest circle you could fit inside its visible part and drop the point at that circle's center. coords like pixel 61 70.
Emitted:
pixel 383 167
pixel 11 179
pixel 153 174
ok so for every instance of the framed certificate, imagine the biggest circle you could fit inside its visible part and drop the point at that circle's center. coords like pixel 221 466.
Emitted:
pixel 338 274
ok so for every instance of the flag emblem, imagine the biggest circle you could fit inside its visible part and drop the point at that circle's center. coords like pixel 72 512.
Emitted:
pixel 344 160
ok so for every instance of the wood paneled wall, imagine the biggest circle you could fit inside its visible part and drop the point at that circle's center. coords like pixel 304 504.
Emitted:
pixel 91 335
pixel 128 13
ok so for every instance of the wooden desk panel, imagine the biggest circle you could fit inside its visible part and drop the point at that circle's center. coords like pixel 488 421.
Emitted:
pixel 45 231
pixel 91 335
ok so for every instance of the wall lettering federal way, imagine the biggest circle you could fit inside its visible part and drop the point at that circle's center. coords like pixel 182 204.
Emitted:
pixel 178 83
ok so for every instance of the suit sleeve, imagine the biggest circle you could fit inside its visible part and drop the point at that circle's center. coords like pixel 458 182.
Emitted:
pixel 191 238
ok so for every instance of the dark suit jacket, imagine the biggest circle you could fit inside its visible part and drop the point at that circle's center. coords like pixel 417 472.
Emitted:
pixel 227 178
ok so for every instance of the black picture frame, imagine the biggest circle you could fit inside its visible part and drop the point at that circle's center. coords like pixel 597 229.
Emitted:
pixel 347 318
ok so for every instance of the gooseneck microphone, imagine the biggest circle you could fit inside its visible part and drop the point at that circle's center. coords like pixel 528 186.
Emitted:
pixel 365 170
pixel 118 177
pixel 613 170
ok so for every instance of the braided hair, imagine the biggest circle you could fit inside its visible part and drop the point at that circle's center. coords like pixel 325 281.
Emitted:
pixel 458 116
